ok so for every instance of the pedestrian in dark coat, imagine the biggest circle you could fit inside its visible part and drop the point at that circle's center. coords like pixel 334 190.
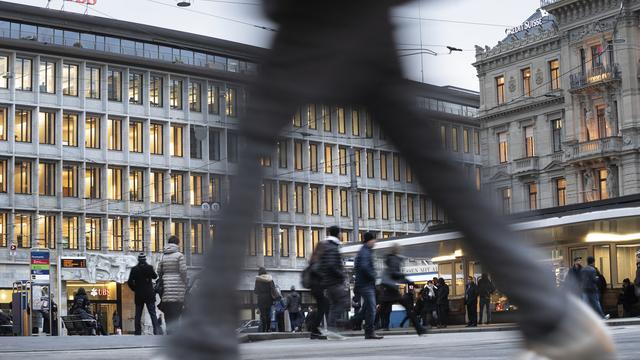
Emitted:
pixel 141 283
pixel 591 286
pixel 471 301
pixel 442 302
pixel 429 306
pixel 627 298
pixel 293 306
pixel 264 289
pixel 485 289
pixel 365 286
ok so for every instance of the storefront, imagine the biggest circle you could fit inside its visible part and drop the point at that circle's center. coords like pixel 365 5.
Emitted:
pixel 105 301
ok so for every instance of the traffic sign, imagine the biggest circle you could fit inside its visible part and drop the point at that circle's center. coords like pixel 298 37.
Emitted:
pixel 40 265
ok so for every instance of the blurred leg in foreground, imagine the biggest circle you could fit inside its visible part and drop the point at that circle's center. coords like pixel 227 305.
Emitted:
pixel 342 52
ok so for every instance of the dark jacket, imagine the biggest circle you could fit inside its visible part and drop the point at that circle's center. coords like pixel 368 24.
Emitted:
pixel 330 266
pixel 428 299
pixel 442 295
pixel 485 288
pixel 364 269
pixel 471 293
pixel 628 296
pixel 293 302
pixel 392 274
pixel 264 290
pixel 590 281
pixel 141 282
pixel 80 303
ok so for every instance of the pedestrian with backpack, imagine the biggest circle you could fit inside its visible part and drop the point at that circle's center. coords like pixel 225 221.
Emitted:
pixel 365 284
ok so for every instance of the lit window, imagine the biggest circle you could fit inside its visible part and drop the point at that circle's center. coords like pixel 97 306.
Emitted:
pixel 356 155
pixel 177 229
pixel 114 183
pixel 344 203
pixel 92 233
pixel 155 139
pixel 526 81
pixel 3 175
pixel 267 249
pixel 156 188
pixel 70 129
pixel 23 125
pixel 396 167
pixel 157 235
pixel 342 160
pixel 114 85
pixel 476 141
pixel 135 88
pixel 500 90
pixel 196 190
pixel 313 157
pixel 561 192
pixel 22 176
pixel 466 141
pixel 114 134
pixel 328 192
pixel 230 101
pixel 297 119
pixel 355 122
pixel 115 234
pixel 47 128
pixel 22 72
pixel 370 164
pixel 136 230
pixel 383 165
pixel 311 117
pixel 298 198
pixel 533 196
pixel 528 140
pixel 175 143
pixel 175 99
pixel 92 82
pixel 284 242
pixel 70 79
pixel 135 136
pixel 503 145
pixel 92 183
pixel 300 243
pixel 313 194
pixel 70 181
pixel 385 206
pixel 197 238
pixel 22 230
pixel 213 102
pixel 155 91
pixel 47 77
pixel 4 70
pixel 297 155
pixel 315 238
pixel 371 200
pixel 454 138
pixel 342 125
pixel 176 188
pixel 408 173
pixel 70 232
pixel 46 179
pixel 92 132
pixel 283 200
pixel 554 69
pixel 136 186
pixel 328 158
pixel 46 231
pixel 195 96
pixel 3 123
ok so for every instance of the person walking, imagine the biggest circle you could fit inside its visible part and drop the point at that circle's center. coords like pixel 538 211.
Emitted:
pixel 391 276
pixel 293 306
pixel 442 303
pixel 141 283
pixel 471 301
pixel 172 269
pixel 485 290
pixel 337 52
pixel 264 289
pixel 332 279
pixel 365 285
pixel 590 287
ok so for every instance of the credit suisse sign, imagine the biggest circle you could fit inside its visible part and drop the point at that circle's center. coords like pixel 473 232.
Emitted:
pixel 524 26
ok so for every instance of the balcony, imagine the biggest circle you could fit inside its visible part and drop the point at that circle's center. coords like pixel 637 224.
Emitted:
pixel 525 165
pixel 597 148
pixel 598 75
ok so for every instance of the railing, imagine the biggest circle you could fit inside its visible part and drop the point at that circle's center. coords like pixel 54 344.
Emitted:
pixel 596 75
pixel 526 164
pixel 597 147
pixel 557 156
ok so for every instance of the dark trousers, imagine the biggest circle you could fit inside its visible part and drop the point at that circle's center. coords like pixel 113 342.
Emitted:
pixel 172 312
pixel 485 304
pixel 592 299
pixel 265 317
pixel 294 318
pixel 280 321
pixel 151 308
pixel 368 310
pixel 348 56
pixel 472 311
pixel 443 315
pixel 323 306
pixel 429 315
pixel 338 297
pixel 385 314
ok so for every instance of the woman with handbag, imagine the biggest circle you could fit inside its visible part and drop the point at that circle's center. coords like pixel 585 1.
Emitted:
pixel 172 283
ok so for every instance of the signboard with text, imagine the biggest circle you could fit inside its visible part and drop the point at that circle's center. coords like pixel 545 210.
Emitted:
pixel 73 262
pixel 40 266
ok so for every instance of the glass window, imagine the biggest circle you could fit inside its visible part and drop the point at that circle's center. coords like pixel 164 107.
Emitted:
pixel 196 190
pixel 556 134
pixel 46 231
pixel 45 34
pixel 196 133
pixel 157 235
pixel 554 69
pixel 267 249
pixel 300 243
pixel 70 231
pixel 150 51
pixel 410 209
pixel 533 196
pixel 626 256
pixel 92 231
pixel 155 139
pixel 22 230
pixel 355 122
pixel 503 145
pixel 313 157
pixel 3 175
pixel 92 132
pixel 267 196
pixel 298 198
pixel 408 173
pixel 92 82
pixel 396 167
pixel 136 185
pixel 47 77
pixel 69 180
pixel 114 134
pixel 115 234
pixel 454 138
pixel 231 102
pixel 47 128
pixel 329 196
pixel 215 188
pixel 232 147
pixel 284 242
pixel 213 102
pixel 561 191
pixel 325 114
pixel 135 136
pixel 114 84
pixel 46 179
pixel 506 200
pixel 22 71
pixel 136 231
pixel 370 164
pixel 297 155
pixel 70 129
pixel 70 79
pixel 214 144
pixel 128 47
pixel 602 256
pixel 500 90
pixel 283 198
pixel 313 195
pixel 92 182
pixel 328 158
pixel 342 160
pixel 114 183
pixel 155 91
pixel 283 154
pixel 466 141
pixel 383 165
pixel 88 41
pixel 176 94
pixel 71 38
pixel 4 70
pixel 476 140
pixel 177 229
pixel 528 141
pixel 398 206
pixel 297 118
pixel 156 188
pixel 311 117
pixel 176 143
pixel 22 125
pixel 342 126
pixel 177 188
pixel 526 81
pixel 356 155
pixel 371 200
pixel 344 203
pixel 135 88
pixel 195 95
pixel 197 238
pixel 368 125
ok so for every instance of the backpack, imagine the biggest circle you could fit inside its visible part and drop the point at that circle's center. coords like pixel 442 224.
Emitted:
pixel 311 274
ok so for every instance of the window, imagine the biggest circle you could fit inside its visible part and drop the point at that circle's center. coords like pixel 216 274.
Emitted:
pixel 342 126
pixel 92 82
pixel 368 126
pixel 326 118
pixel 602 123
pixel 92 183
pixel 135 136
pixel 70 129
pixel 533 196
pixel 343 157
pixel 282 154
pixel 328 158
pixel 232 147
pixel 155 139
pixel 136 186
pixel 385 205
pixel 213 104
pixel 175 98
pixel 70 232
pixel 46 231
pixel 443 136
pixel 195 96
pixel 135 88
pixel 528 141
pixel 46 179
pixel 556 134
pixel 602 183
pixel 196 190
pixel 175 143
pixel 298 198
pixel 214 144
pixel 22 176
pixel 267 249
pixel 69 181
pixel 526 81
pixel 22 74
pixel 300 243
pixel 22 230
pixel 454 138
pixel 284 242
pixel 370 164
pixel 359 207
pixel 561 192
pixel 47 77
pixel 92 132
pixel 23 125
pixel 115 234
pixel 313 157
pixel 215 188
pixel 344 203
pixel 114 85
pixel 155 90
pixel 297 119
pixel 503 147
pixel 156 187
pixel 478 178
pixel 230 101
pixel 136 230
pixel 466 141
pixel 47 128
pixel 315 238
pixel 197 238
pixel 371 197
pixel 252 246
pixel 476 141
pixel 423 209
pixel 396 167
pixel 157 235
pixel 554 71
pixel 398 206
pixel 355 122
pixel 114 134
pixel 92 232
pixel 176 188
pixel 311 117
pixel 114 183
pixel 383 165
pixel 500 90
pixel 267 196
pixel 70 79
pixel 3 175
pixel 4 79
pixel 596 57
pixel 313 195
pixel 283 201
pixel 408 173
pixel 506 200
pixel 3 122
pixel 177 229
pixel 196 133
pixel 329 192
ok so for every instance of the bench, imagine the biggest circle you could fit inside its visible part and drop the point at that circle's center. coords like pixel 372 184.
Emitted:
pixel 76 325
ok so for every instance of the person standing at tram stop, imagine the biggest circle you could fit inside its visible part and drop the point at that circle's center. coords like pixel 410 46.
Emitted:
pixel 172 269
pixel 365 285
pixel 590 287
pixel 442 303
pixel 264 289
pixel 485 290
pixel 141 283
pixel 471 300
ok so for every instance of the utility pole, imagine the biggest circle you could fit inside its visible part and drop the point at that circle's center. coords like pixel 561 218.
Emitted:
pixel 354 194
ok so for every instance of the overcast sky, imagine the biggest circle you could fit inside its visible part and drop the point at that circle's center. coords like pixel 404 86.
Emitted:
pixel 207 17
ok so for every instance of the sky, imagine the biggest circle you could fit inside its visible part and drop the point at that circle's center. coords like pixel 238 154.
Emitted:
pixel 211 18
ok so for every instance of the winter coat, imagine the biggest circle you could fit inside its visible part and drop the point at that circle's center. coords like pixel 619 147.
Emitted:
pixel 442 295
pixel 364 269
pixel 428 298
pixel 628 296
pixel 293 303
pixel 485 288
pixel 590 281
pixel 264 288
pixel 173 270
pixel 141 282
pixel 392 274
pixel 80 303
pixel 471 293
pixel 330 267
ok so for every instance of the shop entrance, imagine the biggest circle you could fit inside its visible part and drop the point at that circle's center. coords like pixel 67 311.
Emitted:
pixel 105 302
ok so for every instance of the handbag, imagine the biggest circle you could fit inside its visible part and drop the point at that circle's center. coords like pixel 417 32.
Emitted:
pixel 158 288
